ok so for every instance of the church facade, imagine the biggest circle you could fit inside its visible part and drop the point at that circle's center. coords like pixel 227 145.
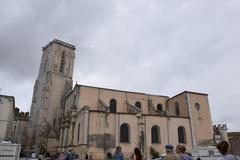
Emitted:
pixel 95 120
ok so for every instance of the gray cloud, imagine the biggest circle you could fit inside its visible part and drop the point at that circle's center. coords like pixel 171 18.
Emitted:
pixel 161 47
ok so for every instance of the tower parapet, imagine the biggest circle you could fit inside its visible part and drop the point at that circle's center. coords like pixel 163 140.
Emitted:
pixel 60 43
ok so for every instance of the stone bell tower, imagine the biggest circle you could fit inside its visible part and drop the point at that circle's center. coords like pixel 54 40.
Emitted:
pixel 54 81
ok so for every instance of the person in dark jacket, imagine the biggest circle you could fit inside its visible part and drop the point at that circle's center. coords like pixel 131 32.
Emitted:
pixel 223 148
pixel 86 156
pixel 71 155
pixel 118 155
pixel 137 154
pixel 47 156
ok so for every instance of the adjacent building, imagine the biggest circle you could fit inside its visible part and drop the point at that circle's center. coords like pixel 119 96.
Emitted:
pixel 7 104
pixel 234 141
pixel 13 122
pixel 19 131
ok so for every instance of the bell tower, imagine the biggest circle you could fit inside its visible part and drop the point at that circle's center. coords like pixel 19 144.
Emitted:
pixel 54 81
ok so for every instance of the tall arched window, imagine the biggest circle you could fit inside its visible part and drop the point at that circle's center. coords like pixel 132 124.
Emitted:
pixel 62 63
pixel 181 135
pixel 78 133
pixel 113 106
pixel 124 133
pixel 73 128
pixel 62 137
pixel 177 110
pixel 45 65
pixel 138 105
pixel 159 107
pixel 74 99
pixel 155 132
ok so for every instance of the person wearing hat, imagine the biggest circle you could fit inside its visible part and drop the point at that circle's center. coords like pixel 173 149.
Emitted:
pixel 170 154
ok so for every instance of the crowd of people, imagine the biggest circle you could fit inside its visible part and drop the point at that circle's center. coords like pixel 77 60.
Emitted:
pixel 178 154
pixel 222 146
pixel 59 156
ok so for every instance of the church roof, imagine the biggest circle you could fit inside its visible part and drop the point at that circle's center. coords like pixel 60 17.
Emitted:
pixel 117 90
pixel 190 92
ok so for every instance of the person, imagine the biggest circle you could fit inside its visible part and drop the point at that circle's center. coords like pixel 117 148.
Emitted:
pixel 47 156
pixel 118 155
pixel 61 156
pixel 137 154
pixel 223 148
pixel 180 150
pixel 109 156
pixel 34 156
pixel 86 156
pixel 71 155
pixel 170 154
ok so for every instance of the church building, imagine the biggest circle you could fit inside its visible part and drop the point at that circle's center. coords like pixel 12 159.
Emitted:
pixel 93 120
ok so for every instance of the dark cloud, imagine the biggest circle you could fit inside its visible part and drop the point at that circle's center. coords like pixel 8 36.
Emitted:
pixel 161 47
pixel 33 24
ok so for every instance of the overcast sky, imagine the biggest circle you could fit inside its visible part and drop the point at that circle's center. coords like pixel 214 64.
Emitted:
pixel 152 46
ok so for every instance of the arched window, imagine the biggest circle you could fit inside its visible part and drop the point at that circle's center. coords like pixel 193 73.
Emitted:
pixel 74 100
pixel 54 121
pixel 62 63
pixel 138 105
pixel 159 107
pixel 45 65
pixel 62 138
pixel 177 110
pixel 113 106
pixel 73 128
pixel 197 106
pixel 124 133
pixel 155 132
pixel 181 135
pixel 78 134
